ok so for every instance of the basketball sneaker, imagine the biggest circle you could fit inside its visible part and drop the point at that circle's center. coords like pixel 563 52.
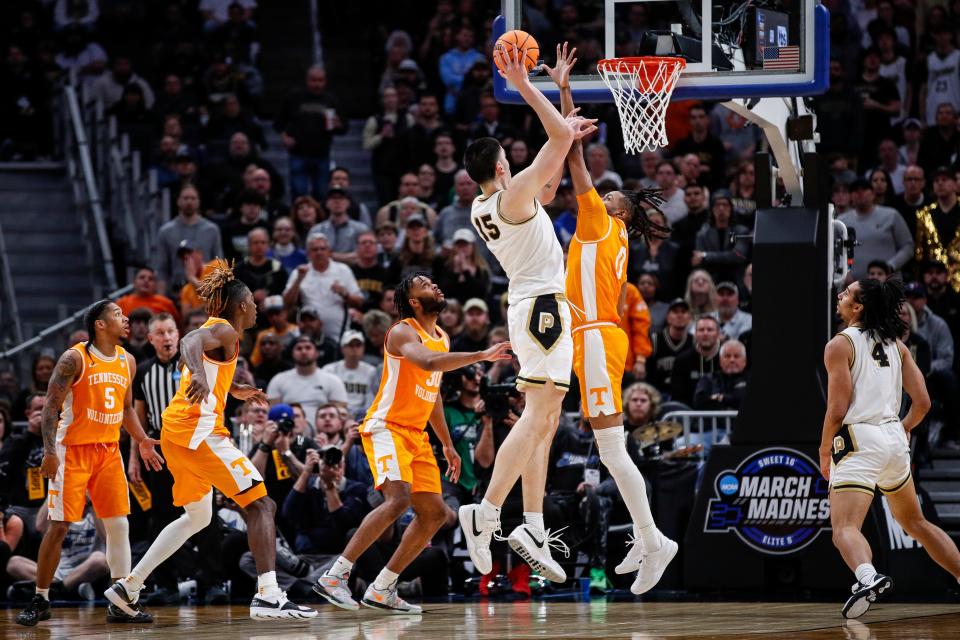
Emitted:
pixel 865 594
pixel 533 545
pixel 478 532
pixel 263 609
pixel 336 591
pixel 653 564
pixel 122 599
pixel 388 600
pixel 632 562
pixel 37 611
pixel 116 614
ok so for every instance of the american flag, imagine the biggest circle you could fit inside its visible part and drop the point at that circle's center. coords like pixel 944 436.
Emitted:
pixel 781 58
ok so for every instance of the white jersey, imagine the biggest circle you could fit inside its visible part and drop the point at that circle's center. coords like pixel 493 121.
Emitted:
pixel 943 83
pixel 528 251
pixel 877 379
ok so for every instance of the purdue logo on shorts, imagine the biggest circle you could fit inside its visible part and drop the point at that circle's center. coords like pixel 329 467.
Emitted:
pixel 545 325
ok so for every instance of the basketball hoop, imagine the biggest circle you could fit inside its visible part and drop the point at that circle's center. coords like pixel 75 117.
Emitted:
pixel 641 87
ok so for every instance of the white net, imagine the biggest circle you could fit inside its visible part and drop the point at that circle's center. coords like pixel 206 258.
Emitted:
pixel 641 87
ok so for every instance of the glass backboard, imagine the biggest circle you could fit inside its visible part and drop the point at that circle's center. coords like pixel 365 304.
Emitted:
pixel 745 49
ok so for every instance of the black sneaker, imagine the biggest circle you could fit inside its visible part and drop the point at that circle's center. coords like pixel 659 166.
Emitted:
pixel 121 599
pixel 36 611
pixel 261 609
pixel 865 595
pixel 116 614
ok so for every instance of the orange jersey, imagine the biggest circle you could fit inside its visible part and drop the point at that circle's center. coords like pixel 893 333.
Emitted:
pixel 188 424
pixel 408 393
pixel 93 409
pixel 635 320
pixel 596 264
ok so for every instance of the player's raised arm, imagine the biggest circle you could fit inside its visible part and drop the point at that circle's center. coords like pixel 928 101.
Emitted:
pixel 561 132
pixel 560 74
pixel 404 341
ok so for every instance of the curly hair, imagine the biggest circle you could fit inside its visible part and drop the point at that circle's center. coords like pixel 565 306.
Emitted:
pixel 640 223
pixel 881 302
pixel 220 289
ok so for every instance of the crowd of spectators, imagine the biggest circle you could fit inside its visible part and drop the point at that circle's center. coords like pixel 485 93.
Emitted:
pixel 323 265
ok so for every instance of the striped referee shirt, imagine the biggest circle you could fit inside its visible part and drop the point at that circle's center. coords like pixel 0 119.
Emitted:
pixel 155 384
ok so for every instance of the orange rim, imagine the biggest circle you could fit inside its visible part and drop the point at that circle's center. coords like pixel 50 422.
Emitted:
pixel 649 80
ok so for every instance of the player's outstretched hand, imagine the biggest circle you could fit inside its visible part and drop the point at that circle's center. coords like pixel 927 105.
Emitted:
pixel 560 73
pixel 511 65
pixel 149 454
pixel 499 351
pixel 580 126
pixel 249 392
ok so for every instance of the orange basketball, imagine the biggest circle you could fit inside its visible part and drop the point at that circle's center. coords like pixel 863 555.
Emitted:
pixel 521 39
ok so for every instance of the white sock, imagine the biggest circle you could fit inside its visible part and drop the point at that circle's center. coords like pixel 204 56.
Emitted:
pixel 534 519
pixel 196 516
pixel 118 545
pixel 341 567
pixel 865 573
pixel 385 579
pixel 267 585
pixel 611 443
pixel 44 592
pixel 489 511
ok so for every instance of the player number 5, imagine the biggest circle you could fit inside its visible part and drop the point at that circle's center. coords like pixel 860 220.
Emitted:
pixel 110 400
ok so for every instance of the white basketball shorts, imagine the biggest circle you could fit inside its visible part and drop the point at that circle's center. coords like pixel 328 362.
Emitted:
pixel 869 456
pixel 540 335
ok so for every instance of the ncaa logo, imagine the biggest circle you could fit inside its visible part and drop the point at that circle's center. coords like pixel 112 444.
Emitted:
pixel 775 501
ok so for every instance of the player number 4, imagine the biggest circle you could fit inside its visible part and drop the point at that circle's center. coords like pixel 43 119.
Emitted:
pixel 485 227
pixel 880 355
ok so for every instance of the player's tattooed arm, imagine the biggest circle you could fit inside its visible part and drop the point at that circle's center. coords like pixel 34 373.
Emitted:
pixel 60 382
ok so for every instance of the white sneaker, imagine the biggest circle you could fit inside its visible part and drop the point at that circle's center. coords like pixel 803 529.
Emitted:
pixel 631 563
pixel 865 594
pixel 264 609
pixel 336 591
pixel 388 600
pixel 478 533
pixel 533 545
pixel 653 564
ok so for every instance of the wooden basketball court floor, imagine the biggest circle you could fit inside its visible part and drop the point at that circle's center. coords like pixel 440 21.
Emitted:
pixel 528 619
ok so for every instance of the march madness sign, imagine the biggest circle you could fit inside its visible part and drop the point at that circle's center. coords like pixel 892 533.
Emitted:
pixel 776 501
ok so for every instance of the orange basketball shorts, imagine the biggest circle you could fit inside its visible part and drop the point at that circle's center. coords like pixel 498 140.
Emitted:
pixel 216 462
pixel 599 355
pixel 400 453
pixel 96 468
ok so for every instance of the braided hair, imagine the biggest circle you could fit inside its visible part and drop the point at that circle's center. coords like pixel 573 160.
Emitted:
pixel 640 224
pixel 220 289
pixel 881 302
pixel 93 313
pixel 402 295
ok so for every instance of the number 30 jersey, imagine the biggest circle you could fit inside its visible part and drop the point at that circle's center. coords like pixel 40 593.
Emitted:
pixel 596 264
pixel 876 373
pixel 408 393
pixel 528 251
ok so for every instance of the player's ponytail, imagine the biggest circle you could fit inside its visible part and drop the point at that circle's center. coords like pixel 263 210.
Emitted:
pixel 220 289
pixel 640 224
pixel 93 313
pixel 881 308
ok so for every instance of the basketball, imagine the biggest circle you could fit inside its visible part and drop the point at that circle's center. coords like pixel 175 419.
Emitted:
pixel 521 39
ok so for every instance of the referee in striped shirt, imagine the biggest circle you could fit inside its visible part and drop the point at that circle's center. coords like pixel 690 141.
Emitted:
pixel 154 386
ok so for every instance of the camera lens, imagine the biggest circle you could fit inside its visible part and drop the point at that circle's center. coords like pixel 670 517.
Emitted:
pixel 332 456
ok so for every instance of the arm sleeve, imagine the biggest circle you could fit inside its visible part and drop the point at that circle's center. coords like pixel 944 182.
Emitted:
pixel 593 222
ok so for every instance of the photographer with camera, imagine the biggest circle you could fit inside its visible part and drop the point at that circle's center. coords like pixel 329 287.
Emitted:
pixel 281 452
pixel 324 505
